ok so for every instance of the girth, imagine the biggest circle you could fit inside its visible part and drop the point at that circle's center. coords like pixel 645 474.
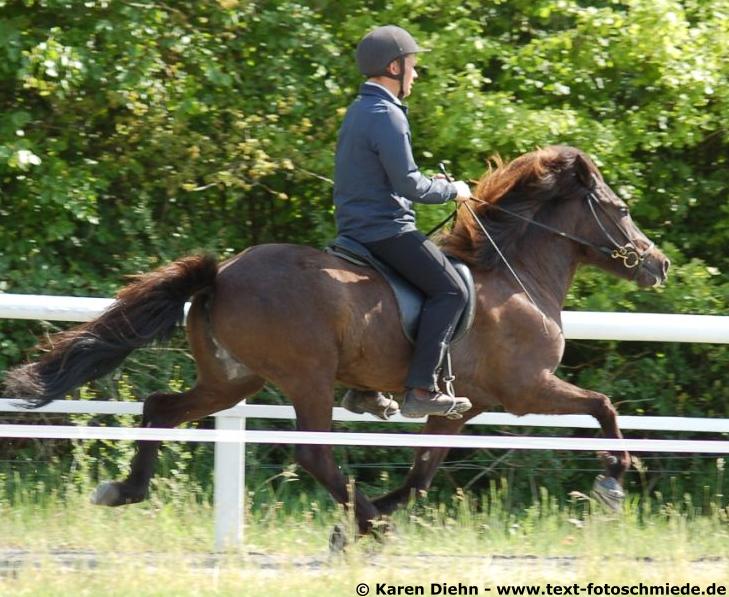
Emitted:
pixel 409 299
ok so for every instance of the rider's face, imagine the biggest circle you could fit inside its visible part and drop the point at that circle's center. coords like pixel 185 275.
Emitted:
pixel 410 74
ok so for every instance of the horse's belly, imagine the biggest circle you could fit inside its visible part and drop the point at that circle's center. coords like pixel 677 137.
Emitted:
pixel 374 355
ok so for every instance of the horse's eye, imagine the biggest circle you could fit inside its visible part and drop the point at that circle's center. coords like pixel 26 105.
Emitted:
pixel 624 211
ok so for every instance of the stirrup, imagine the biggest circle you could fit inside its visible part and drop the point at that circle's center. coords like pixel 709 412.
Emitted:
pixel 456 408
pixel 448 376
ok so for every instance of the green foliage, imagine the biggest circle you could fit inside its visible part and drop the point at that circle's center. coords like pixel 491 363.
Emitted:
pixel 132 133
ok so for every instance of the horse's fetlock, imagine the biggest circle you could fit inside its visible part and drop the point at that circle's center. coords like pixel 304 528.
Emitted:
pixel 306 457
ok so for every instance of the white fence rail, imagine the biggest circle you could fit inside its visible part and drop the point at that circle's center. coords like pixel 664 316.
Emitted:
pixel 230 434
pixel 578 325
pixel 405 440
pixel 230 438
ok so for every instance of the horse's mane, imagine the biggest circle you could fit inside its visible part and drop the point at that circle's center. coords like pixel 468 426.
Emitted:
pixel 528 186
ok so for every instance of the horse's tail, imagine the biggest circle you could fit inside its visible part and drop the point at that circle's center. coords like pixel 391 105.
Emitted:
pixel 146 310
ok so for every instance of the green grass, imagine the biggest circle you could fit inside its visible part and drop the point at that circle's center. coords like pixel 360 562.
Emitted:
pixel 334 580
pixel 163 547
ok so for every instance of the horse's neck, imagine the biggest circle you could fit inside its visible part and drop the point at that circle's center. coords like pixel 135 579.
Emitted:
pixel 546 268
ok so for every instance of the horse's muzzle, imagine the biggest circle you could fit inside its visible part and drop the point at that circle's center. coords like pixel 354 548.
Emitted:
pixel 653 270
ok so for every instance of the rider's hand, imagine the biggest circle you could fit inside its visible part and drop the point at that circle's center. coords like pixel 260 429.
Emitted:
pixel 464 191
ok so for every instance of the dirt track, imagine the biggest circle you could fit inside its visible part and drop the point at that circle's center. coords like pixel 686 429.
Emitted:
pixel 12 561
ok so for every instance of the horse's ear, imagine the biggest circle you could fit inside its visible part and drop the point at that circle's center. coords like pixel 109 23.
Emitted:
pixel 585 170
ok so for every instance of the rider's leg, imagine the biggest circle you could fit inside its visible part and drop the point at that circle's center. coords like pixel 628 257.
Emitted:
pixel 419 261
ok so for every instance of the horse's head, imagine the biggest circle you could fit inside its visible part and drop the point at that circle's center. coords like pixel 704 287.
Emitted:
pixel 613 241
pixel 557 193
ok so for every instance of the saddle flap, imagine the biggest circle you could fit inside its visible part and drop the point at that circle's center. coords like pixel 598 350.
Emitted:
pixel 350 250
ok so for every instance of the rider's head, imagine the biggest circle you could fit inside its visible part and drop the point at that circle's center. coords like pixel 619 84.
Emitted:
pixel 389 53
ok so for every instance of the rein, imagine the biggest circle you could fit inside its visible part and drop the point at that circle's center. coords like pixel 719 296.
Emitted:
pixel 628 253
pixel 496 248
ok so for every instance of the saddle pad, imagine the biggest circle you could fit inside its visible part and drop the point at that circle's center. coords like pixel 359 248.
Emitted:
pixel 409 298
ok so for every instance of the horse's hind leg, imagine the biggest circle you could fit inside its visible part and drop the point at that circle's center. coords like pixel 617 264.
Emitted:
pixel 222 382
pixel 167 410
pixel 314 413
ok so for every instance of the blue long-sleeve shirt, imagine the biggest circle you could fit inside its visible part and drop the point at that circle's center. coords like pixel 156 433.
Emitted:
pixel 376 179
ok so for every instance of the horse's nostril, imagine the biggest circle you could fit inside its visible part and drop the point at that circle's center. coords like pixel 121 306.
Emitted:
pixel 666 265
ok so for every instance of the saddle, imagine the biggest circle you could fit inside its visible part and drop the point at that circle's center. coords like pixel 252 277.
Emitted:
pixel 409 298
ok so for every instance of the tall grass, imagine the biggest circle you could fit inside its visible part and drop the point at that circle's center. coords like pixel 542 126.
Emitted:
pixel 164 546
pixel 43 509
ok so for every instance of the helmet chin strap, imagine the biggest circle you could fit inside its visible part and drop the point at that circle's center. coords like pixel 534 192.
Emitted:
pixel 399 78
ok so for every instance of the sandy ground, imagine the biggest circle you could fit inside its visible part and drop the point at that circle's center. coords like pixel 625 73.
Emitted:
pixel 12 560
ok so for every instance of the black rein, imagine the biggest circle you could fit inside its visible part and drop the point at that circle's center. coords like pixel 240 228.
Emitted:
pixel 628 253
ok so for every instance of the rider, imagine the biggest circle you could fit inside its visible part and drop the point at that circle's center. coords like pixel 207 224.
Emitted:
pixel 376 181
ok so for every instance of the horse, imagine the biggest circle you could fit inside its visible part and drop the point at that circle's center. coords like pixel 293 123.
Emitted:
pixel 304 320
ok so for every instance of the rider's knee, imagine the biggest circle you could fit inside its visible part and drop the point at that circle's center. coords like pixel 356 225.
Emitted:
pixel 460 294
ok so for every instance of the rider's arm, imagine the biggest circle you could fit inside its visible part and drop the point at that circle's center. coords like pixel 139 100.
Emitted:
pixel 390 136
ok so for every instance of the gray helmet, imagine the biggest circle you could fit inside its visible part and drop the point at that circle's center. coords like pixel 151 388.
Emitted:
pixel 383 45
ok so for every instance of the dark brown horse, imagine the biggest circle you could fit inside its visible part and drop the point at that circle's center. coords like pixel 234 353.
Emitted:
pixel 304 320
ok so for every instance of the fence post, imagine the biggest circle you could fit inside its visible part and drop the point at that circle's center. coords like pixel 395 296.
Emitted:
pixel 229 485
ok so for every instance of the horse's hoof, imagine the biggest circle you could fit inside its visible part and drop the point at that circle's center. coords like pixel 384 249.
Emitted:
pixel 608 492
pixel 383 530
pixel 608 459
pixel 338 539
pixel 114 493
pixel 106 494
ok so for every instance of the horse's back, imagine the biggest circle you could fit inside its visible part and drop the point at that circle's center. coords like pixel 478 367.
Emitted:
pixel 285 305
pixel 290 271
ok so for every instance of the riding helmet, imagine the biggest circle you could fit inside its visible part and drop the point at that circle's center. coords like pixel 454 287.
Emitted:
pixel 380 47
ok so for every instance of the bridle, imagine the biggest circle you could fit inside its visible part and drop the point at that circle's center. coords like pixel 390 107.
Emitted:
pixel 628 253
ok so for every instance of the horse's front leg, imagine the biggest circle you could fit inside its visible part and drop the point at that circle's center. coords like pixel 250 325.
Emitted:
pixel 425 465
pixel 554 396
